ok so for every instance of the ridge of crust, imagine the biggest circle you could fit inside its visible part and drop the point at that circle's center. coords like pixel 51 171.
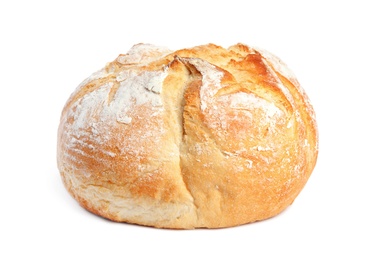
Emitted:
pixel 179 78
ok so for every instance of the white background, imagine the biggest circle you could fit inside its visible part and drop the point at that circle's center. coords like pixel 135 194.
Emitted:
pixel 48 47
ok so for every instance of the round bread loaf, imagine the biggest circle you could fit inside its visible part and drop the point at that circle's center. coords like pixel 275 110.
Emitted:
pixel 204 137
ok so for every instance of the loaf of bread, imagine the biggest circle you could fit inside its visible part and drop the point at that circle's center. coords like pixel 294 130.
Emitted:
pixel 204 137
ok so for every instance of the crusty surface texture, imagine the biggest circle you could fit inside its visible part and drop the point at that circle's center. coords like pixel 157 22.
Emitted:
pixel 204 137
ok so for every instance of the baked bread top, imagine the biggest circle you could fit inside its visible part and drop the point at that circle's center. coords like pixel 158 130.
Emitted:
pixel 199 137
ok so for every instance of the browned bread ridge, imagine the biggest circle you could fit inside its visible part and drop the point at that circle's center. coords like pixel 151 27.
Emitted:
pixel 204 137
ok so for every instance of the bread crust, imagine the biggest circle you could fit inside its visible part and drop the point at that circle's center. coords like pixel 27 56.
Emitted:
pixel 204 137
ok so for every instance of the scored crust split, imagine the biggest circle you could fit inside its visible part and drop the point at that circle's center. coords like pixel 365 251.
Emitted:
pixel 204 137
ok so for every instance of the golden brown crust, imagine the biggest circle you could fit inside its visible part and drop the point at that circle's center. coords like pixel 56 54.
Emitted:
pixel 201 137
